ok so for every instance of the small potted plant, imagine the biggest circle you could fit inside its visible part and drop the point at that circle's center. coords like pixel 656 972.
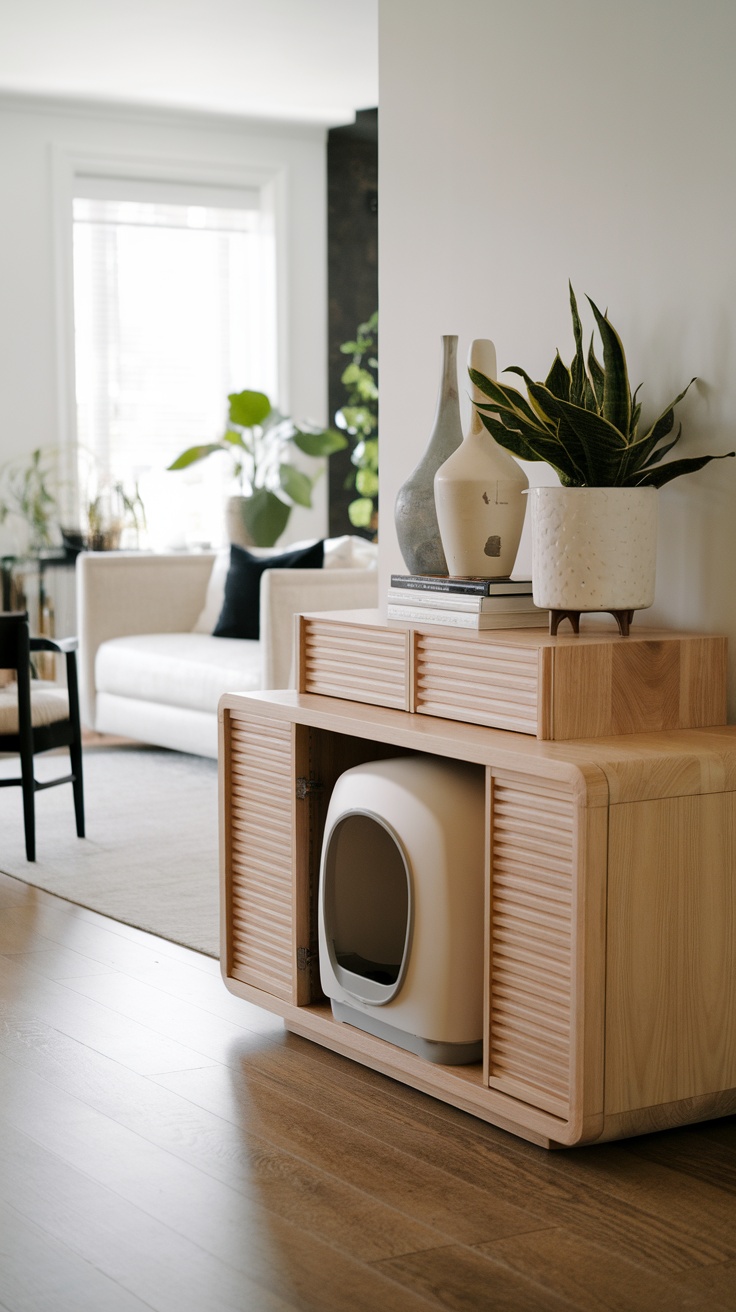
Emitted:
pixel 593 537
pixel 258 440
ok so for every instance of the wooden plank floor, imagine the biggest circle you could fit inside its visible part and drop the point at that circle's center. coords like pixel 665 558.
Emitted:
pixel 166 1146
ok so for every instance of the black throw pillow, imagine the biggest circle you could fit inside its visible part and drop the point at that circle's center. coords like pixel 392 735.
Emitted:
pixel 240 614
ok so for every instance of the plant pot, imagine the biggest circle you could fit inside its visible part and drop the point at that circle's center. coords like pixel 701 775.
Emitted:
pixel 593 548
pixel 235 525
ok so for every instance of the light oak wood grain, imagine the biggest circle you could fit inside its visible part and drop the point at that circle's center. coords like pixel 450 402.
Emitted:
pixel 579 914
pixel 671 994
pixel 585 686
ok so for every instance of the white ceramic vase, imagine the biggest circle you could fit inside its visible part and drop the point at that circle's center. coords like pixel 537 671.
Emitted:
pixel 594 548
pixel 479 493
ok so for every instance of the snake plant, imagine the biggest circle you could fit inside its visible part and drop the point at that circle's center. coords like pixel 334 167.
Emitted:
pixel 583 419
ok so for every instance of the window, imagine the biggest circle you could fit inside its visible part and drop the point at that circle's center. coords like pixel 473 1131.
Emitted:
pixel 174 306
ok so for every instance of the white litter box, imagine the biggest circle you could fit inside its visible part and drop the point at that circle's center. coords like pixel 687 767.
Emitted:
pixel 401 904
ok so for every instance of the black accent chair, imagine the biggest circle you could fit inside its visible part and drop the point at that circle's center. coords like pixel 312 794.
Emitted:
pixel 36 718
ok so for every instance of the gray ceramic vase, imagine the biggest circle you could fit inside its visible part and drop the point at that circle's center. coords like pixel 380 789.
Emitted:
pixel 415 514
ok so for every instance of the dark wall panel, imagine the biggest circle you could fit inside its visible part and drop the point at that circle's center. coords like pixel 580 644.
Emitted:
pixel 352 270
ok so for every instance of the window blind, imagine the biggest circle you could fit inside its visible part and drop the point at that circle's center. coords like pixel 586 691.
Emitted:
pixel 174 307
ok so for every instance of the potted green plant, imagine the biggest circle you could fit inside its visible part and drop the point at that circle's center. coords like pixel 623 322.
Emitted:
pixel 594 536
pixel 359 419
pixel 257 440
pixel 28 491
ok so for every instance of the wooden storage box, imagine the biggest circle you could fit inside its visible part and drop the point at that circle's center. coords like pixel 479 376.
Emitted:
pixel 569 686
pixel 610 915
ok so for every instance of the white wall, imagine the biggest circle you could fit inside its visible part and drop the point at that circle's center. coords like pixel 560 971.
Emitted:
pixel 36 136
pixel 522 145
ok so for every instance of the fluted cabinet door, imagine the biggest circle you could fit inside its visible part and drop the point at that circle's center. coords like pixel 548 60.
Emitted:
pixel 262 873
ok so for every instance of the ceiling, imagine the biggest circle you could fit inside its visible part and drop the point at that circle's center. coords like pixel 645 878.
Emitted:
pixel 315 61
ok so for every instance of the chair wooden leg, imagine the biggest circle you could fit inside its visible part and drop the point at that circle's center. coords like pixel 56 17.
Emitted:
pixel 29 803
pixel 75 754
pixel 75 747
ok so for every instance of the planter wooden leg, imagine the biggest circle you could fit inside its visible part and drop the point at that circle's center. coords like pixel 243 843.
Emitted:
pixel 623 619
pixel 557 616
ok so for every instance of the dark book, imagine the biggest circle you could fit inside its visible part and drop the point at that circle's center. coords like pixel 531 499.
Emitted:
pixel 499 587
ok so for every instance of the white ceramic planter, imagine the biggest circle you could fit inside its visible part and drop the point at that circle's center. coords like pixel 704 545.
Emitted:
pixel 593 548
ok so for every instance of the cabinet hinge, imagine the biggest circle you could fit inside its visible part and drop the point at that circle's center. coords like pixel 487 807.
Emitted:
pixel 306 787
pixel 305 957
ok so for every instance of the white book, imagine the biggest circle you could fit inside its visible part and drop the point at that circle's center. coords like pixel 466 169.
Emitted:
pixel 466 619
pixel 454 601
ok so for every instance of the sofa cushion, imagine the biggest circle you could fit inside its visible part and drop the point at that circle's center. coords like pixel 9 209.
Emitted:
pixel 190 670
pixel 346 552
pixel 240 614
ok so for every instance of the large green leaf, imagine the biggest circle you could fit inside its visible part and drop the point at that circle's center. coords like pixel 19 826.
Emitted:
pixel 616 389
pixel 321 443
pixel 360 512
pixel 235 439
pixel 365 455
pixel 195 453
pixel 265 517
pixel 296 485
pixel 366 482
pixel 248 408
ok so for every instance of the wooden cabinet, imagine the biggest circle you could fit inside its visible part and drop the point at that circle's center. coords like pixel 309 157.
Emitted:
pixel 610 963
pixel 567 686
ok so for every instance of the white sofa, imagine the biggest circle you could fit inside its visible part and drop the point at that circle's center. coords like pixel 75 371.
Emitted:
pixel 149 666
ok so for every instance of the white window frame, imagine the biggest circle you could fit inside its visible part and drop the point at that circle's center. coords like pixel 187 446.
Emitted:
pixel 70 165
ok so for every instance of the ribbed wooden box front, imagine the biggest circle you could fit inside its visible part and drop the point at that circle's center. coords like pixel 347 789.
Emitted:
pixel 259 854
pixel 462 680
pixel 589 686
pixel 357 662
pixel 531 939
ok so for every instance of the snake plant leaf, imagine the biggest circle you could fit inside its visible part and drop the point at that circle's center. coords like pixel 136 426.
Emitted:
pixel 642 448
pixel 324 443
pixel 597 376
pixel 503 395
pixel 533 444
pixel 616 389
pixel 195 453
pixel 296 485
pixel 534 396
pixel 661 451
pixel 578 376
pixel 265 517
pixel 593 445
pixel 248 408
pixel 559 380
pixel 665 473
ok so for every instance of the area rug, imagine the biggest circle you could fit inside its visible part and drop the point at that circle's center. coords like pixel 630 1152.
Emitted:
pixel 150 858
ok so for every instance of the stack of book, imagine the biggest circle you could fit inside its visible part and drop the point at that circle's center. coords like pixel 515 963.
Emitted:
pixel 464 603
